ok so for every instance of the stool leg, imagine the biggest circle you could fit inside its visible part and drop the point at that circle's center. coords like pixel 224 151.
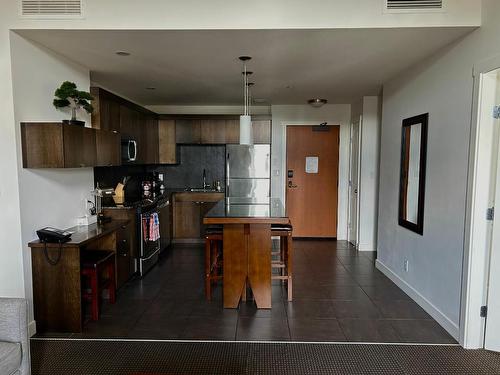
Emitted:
pixel 289 265
pixel 112 282
pixel 94 285
pixel 208 264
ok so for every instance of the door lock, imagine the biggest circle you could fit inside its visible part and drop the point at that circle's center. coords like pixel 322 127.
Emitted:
pixel 291 185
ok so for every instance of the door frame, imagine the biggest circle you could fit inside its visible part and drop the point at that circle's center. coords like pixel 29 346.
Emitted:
pixel 476 252
pixel 356 242
pixel 343 173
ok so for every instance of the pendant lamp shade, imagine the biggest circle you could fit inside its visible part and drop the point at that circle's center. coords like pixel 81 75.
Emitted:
pixel 246 136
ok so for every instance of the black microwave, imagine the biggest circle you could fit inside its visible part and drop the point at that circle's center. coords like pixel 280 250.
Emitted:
pixel 129 150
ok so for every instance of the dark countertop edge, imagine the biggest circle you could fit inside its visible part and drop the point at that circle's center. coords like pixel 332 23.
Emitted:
pixel 100 231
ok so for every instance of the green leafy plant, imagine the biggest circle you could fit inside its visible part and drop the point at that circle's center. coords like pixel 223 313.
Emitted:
pixel 69 96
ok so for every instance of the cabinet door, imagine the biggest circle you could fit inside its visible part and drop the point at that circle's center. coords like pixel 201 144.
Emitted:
pixel 123 255
pixel 186 220
pixel 79 146
pixel 151 143
pixel 232 131
pixel 188 131
pixel 106 115
pixel 127 121
pixel 204 208
pixel 108 148
pixel 261 132
pixel 167 146
pixel 213 131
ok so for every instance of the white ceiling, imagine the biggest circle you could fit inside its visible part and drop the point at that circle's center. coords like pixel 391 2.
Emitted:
pixel 290 66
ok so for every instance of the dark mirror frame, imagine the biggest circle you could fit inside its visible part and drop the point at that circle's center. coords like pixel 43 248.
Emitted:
pixel 419 226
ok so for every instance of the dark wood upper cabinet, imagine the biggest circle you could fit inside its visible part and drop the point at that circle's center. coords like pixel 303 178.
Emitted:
pixel 56 145
pixel 108 148
pixel 167 146
pixel 188 131
pixel 213 131
pixel 106 115
pixel 232 131
pixel 151 139
pixel 261 131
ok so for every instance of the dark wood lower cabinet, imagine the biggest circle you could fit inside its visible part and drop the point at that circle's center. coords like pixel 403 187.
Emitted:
pixel 189 210
pixel 126 243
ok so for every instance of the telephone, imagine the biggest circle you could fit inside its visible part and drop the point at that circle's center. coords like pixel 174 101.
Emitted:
pixel 49 234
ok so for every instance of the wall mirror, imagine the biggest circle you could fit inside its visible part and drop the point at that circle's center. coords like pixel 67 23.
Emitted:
pixel 412 175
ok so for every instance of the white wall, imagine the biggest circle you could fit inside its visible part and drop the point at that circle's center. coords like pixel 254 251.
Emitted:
pixel 51 197
pixel 333 114
pixel 441 86
pixel 369 171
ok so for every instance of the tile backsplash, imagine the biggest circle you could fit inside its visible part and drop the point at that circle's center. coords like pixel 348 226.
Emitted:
pixel 187 173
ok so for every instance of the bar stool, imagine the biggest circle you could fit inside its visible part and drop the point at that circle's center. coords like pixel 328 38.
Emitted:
pixel 284 255
pixel 93 264
pixel 213 257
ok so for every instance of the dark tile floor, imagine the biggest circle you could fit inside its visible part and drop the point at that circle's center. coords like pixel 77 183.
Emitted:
pixel 339 295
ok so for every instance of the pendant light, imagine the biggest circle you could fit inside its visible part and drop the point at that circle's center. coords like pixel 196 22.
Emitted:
pixel 246 134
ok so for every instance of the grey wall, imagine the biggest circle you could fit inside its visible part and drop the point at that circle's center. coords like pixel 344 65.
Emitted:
pixel 443 87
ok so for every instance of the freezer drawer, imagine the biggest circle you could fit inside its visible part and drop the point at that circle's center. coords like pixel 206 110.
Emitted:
pixel 248 161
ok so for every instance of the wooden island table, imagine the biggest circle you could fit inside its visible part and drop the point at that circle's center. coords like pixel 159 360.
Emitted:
pixel 247 248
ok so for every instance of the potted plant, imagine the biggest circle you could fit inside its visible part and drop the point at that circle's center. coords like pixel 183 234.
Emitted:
pixel 69 96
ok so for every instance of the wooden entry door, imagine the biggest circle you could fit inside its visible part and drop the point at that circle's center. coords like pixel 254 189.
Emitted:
pixel 312 180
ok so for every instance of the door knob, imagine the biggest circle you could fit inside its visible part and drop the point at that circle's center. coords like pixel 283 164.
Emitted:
pixel 291 185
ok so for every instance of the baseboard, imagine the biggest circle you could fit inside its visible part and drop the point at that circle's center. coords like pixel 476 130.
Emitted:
pixel 31 328
pixel 432 310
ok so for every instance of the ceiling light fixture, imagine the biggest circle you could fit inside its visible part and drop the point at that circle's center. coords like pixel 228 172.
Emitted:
pixel 316 102
pixel 122 53
pixel 246 136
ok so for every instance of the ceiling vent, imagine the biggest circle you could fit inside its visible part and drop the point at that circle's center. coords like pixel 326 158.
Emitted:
pixel 414 4
pixel 51 8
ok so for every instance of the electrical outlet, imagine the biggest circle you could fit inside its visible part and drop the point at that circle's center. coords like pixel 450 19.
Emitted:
pixel 406 265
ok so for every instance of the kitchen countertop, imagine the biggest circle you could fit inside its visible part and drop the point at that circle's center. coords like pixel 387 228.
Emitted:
pixel 226 213
pixel 83 234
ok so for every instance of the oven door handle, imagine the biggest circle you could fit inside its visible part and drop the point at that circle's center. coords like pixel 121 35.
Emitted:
pixel 152 255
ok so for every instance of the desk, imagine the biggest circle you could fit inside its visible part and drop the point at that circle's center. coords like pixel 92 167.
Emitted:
pixel 57 294
pixel 247 248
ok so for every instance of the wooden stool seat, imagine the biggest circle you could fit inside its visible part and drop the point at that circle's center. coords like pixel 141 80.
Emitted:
pixel 93 264
pixel 213 257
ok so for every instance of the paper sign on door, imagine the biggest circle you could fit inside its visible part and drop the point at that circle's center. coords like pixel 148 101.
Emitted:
pixel 312 164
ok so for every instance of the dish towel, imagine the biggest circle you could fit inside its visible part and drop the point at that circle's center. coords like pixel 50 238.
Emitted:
pixel 154 227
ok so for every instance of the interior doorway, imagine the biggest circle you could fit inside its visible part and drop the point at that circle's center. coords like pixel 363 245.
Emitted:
pixel 354 159
pixel 482 256
pixel 312 164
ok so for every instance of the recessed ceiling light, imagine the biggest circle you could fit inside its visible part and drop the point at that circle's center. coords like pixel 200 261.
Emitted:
pixel 316 102
pixel 122 53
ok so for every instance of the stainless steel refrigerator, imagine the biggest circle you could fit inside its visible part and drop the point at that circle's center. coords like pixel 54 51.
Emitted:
pixel 248 179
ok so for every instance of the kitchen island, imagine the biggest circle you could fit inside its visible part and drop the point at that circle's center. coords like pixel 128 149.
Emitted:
pixel 247 248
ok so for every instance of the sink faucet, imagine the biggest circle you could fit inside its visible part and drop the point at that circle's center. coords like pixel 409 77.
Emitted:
pixel 205 185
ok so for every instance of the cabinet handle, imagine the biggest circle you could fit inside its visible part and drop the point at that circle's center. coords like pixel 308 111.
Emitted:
pixel 82 165
pixel 123 254
pixel 124 227
pixel 115 131
pixel 124 241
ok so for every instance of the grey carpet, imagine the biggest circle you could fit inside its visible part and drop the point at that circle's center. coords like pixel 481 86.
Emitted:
pixel 157 358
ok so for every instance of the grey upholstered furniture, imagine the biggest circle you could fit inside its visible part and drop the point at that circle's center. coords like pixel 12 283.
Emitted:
pixel 14 348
